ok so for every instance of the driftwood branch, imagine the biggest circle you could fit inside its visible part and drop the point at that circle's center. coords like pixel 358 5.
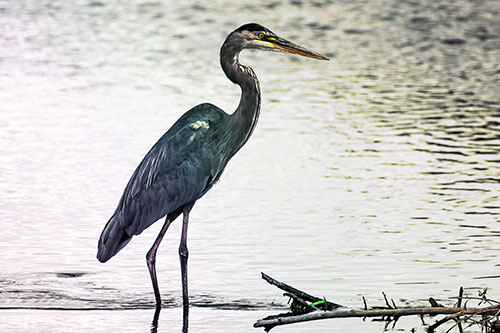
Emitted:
pixel 299 295
pixel 329 310
pixel 455 313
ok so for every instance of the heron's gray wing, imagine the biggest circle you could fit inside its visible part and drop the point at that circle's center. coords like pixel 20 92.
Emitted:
pixel 178 170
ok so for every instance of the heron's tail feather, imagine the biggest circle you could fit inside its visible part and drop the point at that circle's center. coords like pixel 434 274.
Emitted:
pixel 113 239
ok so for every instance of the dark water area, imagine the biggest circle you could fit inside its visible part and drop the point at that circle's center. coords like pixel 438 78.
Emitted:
pixel 376 171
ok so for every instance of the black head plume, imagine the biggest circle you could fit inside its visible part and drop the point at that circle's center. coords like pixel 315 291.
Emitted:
pixel 253 27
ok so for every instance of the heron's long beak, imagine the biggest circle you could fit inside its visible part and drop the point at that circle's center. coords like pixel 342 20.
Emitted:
pixel 281 44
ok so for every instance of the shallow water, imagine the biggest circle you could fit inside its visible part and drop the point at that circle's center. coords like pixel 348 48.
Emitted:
pixel 375 171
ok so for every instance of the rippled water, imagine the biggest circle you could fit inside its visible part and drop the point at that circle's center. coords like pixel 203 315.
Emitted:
pixel 376 171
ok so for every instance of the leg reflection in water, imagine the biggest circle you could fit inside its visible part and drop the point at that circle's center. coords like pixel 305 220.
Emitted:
pixel 156 317
pixel 154 323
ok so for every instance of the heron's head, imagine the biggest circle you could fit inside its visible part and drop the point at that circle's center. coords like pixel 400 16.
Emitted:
pixel 255 36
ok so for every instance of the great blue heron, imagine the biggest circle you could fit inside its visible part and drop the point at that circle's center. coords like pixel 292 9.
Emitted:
pixel 191 156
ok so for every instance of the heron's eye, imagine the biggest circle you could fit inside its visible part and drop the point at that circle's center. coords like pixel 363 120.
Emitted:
pixel 261 35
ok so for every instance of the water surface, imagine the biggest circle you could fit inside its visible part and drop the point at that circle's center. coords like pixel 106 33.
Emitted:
pixel 375 171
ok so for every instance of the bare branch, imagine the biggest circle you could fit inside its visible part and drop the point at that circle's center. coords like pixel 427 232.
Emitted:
pixel 304 296
pixel 452 311
pixel 310 308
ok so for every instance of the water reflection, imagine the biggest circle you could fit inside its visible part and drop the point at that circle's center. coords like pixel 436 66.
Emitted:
pixel 156 317
pixel 154 323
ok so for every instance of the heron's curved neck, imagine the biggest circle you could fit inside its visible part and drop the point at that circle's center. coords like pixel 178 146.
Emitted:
pixel 246 115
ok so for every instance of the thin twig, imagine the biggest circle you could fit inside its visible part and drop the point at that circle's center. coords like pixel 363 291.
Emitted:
pixel 386 301
pixel 460 294
pixel 444 320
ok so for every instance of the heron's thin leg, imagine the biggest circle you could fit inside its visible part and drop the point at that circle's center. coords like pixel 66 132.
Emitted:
pixel 183 256
pixel 151 260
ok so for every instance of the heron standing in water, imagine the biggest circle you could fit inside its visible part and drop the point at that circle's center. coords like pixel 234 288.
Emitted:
pixel 191 156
